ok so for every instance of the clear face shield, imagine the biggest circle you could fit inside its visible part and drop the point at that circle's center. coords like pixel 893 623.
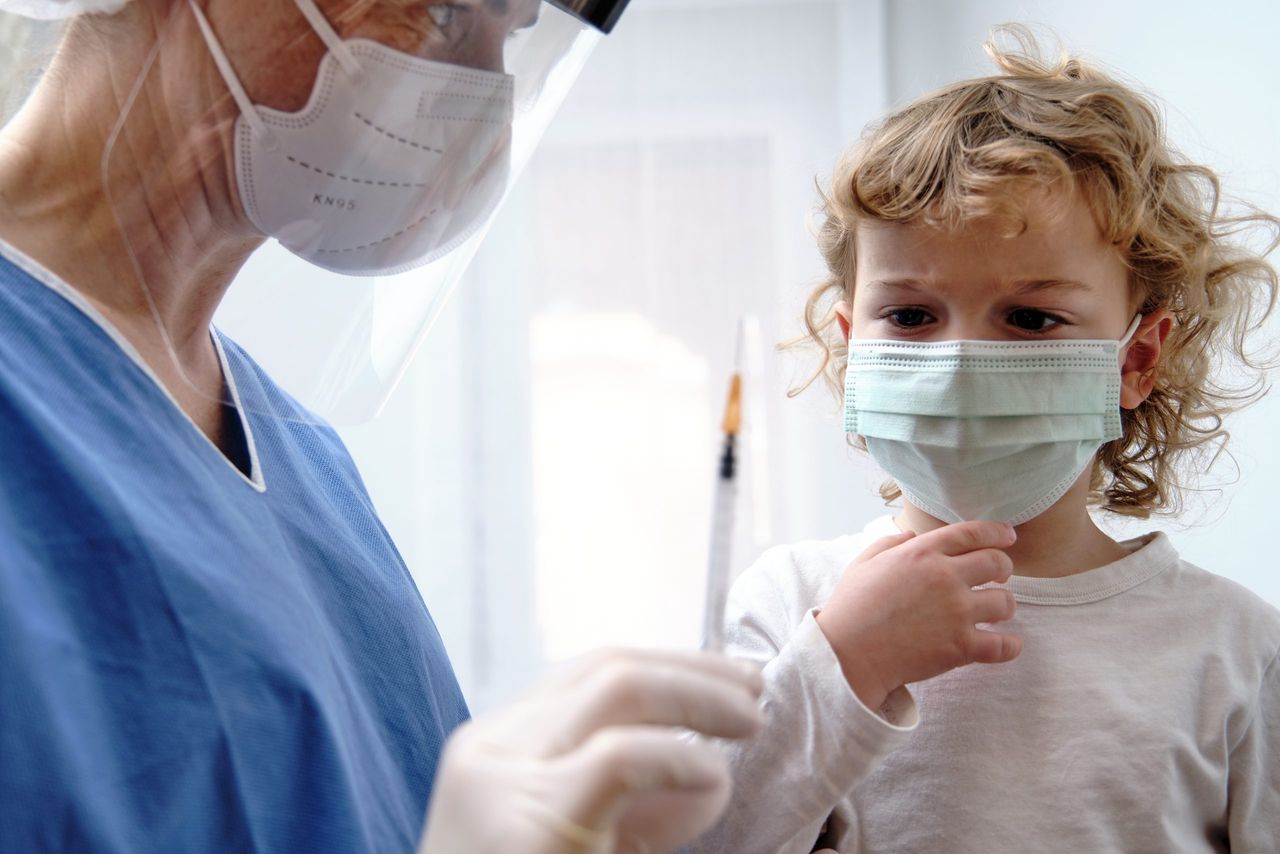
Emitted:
pixel 337 162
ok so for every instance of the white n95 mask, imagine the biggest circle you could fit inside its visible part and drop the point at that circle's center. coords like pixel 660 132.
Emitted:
pixel 394 162
pixel 994 430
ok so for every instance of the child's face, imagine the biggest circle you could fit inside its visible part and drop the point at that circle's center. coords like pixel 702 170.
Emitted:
pixel 1057 279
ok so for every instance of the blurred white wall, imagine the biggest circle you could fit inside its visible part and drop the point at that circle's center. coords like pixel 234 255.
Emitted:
pixel 547 465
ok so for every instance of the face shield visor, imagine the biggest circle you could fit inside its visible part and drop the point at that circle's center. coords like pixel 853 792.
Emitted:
pixel 321 171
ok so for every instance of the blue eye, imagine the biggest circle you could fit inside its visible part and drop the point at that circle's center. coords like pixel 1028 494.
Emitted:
pixel 907 318
pixel 443 15
pixel 1033 320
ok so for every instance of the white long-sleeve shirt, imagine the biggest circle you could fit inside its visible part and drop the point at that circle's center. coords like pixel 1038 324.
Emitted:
pixel 1143 715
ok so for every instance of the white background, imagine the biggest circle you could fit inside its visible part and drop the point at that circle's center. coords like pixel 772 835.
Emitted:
pixel 546 467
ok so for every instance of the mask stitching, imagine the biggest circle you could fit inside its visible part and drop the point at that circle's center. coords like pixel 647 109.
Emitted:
pixel 491 98
pixel 1098 423
pixel 493 122
pixel 1005 364
pixel 250 198
pixel 409 227
pixel 1069 343
pixel 391 135
pixel 368 181
pixel 314 107
pixel 1058 491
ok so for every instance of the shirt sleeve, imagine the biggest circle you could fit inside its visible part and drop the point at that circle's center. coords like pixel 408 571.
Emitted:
pixel 1253 777
pixel 818 739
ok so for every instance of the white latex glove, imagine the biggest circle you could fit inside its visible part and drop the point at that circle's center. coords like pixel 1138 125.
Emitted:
pixel 591 760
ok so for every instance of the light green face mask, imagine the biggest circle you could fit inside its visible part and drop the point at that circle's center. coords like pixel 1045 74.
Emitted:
pixel 994 430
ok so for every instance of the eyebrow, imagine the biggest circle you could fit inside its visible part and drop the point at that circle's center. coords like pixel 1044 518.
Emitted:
pixel 897 284
pixel 1022 286
pixel 1036 285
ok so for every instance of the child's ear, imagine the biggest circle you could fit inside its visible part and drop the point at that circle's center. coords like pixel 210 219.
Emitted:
pixel 1138 373
pixel 844 312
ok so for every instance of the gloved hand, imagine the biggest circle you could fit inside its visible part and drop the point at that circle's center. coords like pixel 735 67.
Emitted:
pixel 590 760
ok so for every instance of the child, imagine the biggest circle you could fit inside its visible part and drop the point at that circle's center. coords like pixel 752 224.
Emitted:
pixel 1031 294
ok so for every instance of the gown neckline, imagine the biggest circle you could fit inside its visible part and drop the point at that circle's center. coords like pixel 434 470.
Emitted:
pixel 59 286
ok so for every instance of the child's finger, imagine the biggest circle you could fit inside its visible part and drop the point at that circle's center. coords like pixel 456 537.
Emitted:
pixel 964 537
pixel 994 605
pixel 988 647
pixel 983 567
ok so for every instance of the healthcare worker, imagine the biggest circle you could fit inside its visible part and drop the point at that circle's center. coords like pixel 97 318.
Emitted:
pixel 208 642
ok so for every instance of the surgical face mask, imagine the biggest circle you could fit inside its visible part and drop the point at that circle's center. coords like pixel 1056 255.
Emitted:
pixel 996 430
pixel 393 163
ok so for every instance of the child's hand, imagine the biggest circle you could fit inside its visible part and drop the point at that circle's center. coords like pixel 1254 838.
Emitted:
pixel 905 609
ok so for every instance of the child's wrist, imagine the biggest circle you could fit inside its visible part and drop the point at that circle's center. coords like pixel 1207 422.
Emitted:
pixel 869 690
pixel 867 685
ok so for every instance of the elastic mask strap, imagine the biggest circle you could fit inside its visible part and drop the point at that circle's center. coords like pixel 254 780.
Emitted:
pixel 1128 337
pixel 329 36
pixel 318 23
pixel 241 97
pixel 1133 327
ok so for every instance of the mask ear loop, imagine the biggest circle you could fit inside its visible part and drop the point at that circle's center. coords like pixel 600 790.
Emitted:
pixel 318 23
pixel 1133 327
pixel 1129 333
pixel 247 109
pixel 329 36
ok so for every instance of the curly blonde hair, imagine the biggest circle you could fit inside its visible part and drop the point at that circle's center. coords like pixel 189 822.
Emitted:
pixel 976 148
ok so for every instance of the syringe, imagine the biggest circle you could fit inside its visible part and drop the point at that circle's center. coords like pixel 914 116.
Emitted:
pixel 722 517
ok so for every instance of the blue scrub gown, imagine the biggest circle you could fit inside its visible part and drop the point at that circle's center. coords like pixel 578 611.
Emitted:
pixel 189 660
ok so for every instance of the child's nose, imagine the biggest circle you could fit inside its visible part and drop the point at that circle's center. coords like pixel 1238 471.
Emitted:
pixel 975 329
